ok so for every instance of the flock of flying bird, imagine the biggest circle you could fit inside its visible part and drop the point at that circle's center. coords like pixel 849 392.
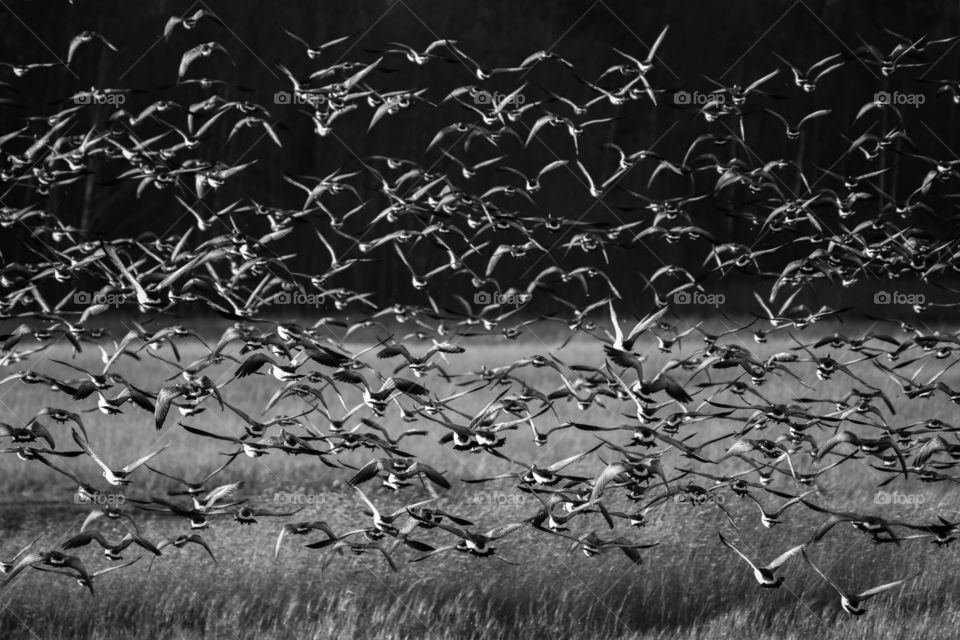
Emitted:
pixel 423 218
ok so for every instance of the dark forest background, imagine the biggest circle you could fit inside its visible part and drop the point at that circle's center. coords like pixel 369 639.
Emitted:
pixel 729 41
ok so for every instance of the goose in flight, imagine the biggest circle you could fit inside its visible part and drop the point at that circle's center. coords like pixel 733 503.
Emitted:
pixel 379 399
pixel 83 38
pixel 204 50
pixel 116 477
pixel 190 22
pixel 83 581
pixel 110 550
pixel 765 575
pixel 473 543
pixel 395 471
pixel 180 541
pixel 850 602
pixel 315 51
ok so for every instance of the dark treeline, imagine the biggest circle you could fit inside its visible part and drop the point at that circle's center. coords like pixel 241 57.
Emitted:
pixel 730 42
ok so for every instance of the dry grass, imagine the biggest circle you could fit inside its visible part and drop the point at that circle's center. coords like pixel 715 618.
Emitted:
pixel 688 587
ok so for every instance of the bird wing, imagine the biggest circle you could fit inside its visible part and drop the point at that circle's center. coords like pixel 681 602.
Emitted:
pixel 365 473
pixel 606 476
pixel 827 578
pixel 783 557
pixel 90 452
pixel 646 323
pixel 74 44
pixel 187 59
pixel 170 26
pixel 735 550
pixel 869 593
pixel 842 437
pixel 164 398
pixel 141 461
pixel 503 530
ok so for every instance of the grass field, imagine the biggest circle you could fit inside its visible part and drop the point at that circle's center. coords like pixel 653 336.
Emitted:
pixel 688 587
